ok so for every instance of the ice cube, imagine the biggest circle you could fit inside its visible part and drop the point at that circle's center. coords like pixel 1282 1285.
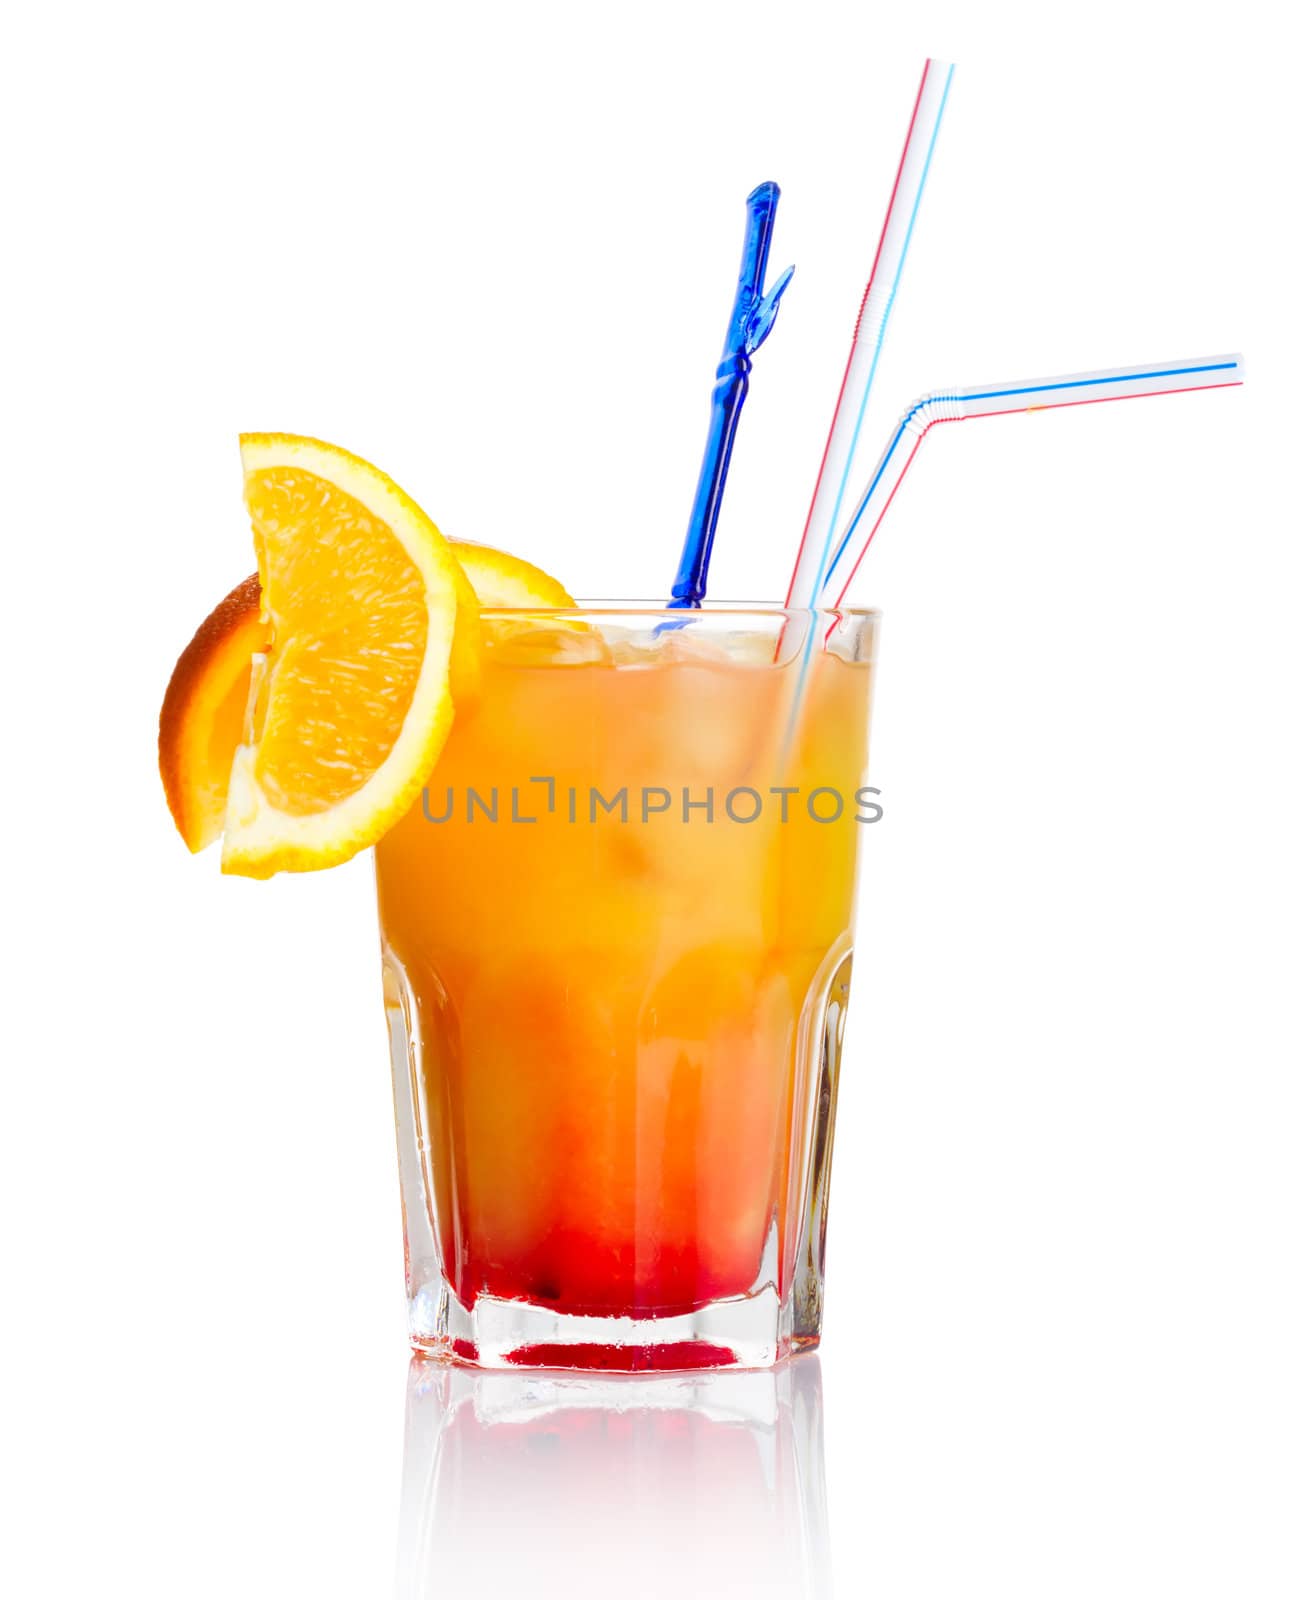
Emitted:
pixel 528 643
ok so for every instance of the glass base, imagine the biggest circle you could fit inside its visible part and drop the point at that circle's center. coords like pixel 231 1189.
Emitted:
pixel 752 1330
pixel 743 1332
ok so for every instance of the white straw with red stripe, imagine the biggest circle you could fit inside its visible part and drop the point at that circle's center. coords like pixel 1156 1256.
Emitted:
pixel 867 339
pixel 999 400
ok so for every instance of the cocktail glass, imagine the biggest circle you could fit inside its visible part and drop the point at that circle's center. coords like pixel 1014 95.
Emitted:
pixel 617 949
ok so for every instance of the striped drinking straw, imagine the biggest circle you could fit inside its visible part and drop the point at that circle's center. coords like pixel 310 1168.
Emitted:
pixel 1001 400
pixel 867 338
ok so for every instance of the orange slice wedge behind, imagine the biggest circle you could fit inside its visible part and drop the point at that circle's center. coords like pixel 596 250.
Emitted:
pixel 502 580
pixel 203 713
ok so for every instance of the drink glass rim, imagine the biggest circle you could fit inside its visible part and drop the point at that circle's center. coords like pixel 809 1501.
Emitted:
pixel 656 608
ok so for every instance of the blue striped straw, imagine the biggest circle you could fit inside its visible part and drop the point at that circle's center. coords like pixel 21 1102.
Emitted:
pixel 1000 400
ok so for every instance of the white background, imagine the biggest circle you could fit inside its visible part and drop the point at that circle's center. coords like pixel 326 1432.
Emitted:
pixel 492 248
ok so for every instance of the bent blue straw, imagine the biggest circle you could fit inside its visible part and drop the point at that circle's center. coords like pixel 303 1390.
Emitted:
pixel 752 319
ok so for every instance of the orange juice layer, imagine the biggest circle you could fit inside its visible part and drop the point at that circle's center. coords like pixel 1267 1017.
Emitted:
pixel 607 1013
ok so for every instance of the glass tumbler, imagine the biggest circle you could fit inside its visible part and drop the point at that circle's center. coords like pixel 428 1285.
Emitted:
pixel 617 950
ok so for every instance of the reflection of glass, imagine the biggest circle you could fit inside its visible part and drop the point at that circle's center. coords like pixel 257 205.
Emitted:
pixel 683 1484
pixel 617 941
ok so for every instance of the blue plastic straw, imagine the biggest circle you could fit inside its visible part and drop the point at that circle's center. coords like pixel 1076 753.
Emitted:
pixel 751 320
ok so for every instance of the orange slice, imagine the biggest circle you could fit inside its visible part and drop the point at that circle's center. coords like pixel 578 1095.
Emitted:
pixel 505 581
pixel 352 703
pixel 206 702
pixel 203 711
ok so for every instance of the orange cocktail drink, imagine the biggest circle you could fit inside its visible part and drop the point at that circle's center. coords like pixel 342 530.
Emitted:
pixel 617 936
